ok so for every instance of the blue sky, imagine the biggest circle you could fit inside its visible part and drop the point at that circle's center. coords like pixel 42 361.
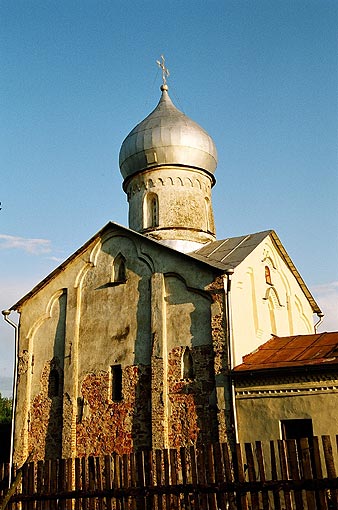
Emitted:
pixel 260 76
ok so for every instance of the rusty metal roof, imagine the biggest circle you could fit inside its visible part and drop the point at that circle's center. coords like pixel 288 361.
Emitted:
pixel 293 351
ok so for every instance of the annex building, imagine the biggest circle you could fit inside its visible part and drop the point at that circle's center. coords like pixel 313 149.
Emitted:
pixel 129 343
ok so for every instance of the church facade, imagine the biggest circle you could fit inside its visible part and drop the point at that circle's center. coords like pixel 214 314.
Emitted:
pixel 129 343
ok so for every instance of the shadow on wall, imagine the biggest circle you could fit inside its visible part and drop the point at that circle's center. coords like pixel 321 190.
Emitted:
pixel 192 409
pixel 53 443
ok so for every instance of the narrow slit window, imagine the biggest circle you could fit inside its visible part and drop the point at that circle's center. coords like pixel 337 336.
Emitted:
pixel 116 383
pixel 187 365
pixel 151 214
pixel 154 211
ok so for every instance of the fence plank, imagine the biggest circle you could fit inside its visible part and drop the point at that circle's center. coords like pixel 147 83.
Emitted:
pixel 261 472
pixel 194 498
pixel 31 483
pixel 69 484
pixel 125 477
pixel 318 473
pixel 140 480
pixel 210 474
pixel 53 482
pixel 284 471
pixel 78 502
pixel 149 477
pixel 91 480
pixel 219 475
pixel 39 482
pixel 117 479
pixel 185 474
pixel 242 501
pixel 229 473
pixel 132 478
pixel 330 467
pixel 107 480
pixel 306 464
pixel 201 476
pixel 251 474
pixel 173 475
pixel 61 483
pixel 84 487
pixel 294 472
pixel 98 486
pixel 274 476
pixel 166 477
pixel 158 478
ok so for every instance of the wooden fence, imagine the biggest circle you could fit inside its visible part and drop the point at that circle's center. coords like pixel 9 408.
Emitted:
pixel 277 475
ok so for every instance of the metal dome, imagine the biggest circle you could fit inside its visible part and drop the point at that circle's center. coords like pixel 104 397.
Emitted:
pixel 167 137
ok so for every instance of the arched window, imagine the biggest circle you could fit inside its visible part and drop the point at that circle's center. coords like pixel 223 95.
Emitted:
pixel 268 276
pixel 187 365
pixel 151 210
pixel 53 383
pixel 119 269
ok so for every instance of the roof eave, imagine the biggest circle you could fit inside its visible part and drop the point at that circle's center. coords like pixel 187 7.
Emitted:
pixel 295 272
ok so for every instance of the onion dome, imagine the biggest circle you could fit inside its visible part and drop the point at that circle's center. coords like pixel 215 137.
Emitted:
pixel 167 137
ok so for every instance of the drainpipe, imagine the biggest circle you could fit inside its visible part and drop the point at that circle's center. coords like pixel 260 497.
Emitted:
pixel 320 316
pixel 229 342
pixel 6 314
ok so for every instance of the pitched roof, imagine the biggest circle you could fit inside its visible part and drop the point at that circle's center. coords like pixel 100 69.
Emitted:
pixel 230 252
pixel 293 351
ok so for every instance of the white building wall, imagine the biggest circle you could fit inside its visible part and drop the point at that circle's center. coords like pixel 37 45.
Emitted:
pixel 260 309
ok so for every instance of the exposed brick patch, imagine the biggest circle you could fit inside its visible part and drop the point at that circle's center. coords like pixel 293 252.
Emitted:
pixel 192 420
pixel 109 426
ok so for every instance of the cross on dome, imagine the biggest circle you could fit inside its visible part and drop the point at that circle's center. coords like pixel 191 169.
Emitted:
pixel 165 70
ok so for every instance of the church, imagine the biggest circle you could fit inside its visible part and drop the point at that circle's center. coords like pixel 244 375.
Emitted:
pixel 130 343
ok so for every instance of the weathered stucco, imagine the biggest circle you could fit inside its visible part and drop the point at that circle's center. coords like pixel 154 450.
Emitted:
pixel 84 322
pixel 183 201
pixel 261 407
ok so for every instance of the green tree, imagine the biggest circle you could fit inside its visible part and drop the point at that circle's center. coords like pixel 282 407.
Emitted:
pixel 5 409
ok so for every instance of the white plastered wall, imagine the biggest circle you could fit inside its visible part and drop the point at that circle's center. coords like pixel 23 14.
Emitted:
pixel 259 309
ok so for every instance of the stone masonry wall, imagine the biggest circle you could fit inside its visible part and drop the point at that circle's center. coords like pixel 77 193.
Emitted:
pixel 192 415
pixel 107 426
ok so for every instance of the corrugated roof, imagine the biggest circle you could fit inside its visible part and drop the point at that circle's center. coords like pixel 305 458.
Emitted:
pixel 230 252
pixel 293 351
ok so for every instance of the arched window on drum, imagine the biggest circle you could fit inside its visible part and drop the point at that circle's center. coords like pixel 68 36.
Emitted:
pixel 151 211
